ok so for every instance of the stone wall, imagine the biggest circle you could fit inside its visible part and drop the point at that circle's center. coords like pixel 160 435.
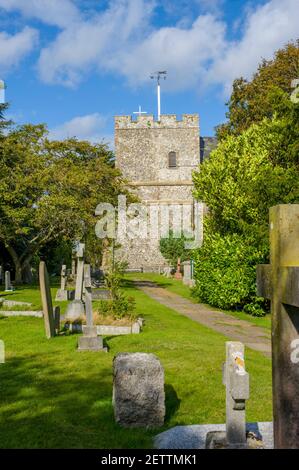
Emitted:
pixel 142 148
pixel 207 144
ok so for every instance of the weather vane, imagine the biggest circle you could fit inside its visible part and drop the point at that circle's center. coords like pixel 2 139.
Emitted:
pixel 158 76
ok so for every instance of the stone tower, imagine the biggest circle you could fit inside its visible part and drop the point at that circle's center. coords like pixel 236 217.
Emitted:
pixel 157 159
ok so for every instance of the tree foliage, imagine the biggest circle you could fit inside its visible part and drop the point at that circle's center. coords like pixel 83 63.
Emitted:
pixel 244 176
pixel 251 101
pixel 173 247
pixel 225 271
pixel 49 191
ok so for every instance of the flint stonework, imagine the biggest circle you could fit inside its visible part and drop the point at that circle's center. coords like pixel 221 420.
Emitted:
pixel 142 150
pixel 138 390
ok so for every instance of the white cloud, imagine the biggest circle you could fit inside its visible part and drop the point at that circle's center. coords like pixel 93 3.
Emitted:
pixel 56 12
pixel 184 53
pixel 122 39
pixel 267 28
pixel 89 127
pixel 14 47
pixel 93 43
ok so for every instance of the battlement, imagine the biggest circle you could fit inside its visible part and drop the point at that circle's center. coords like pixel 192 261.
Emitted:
pixel 146 121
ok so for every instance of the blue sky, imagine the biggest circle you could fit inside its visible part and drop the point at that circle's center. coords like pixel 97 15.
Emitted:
pixel 74 64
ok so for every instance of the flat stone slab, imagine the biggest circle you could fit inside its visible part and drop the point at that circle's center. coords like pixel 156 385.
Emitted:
pixel 13 303
pixel 102 294
pixel 194 436
pixel 109 330
pixel 22 313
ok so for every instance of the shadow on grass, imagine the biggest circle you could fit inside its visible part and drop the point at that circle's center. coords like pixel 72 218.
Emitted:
pixel 48 404
pixel 172 402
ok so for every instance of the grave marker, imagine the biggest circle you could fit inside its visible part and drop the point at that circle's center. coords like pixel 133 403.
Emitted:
pixel 236 381
pixel 46 300
pixel 279 282
pixel 89 341
pixel 138 390
pixel 62 293
pixel 8 286
pixel 76 308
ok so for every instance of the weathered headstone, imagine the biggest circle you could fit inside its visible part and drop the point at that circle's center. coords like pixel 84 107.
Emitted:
pixel 74 264
pixel 236 381
pixel 89 341
pixel 8 286
pixel 138 390
pixel 76 309
pixel 46 300
pixel 279 282
pixel 62 293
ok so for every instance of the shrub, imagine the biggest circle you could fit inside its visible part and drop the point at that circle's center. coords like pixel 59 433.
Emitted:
pixel 173 247
pixel 120 305
pixel 225 272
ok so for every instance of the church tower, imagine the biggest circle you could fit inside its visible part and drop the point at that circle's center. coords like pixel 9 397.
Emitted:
pixel 157 159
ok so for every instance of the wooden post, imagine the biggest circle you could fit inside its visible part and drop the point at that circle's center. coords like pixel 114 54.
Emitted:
pixel 279 282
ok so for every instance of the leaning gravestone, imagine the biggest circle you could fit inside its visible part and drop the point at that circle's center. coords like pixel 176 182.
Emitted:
pixel 45 291
pixel 138 390
pixel 279 282
pixel 75 309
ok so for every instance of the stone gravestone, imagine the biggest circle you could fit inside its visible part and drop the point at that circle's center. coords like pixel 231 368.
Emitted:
pixel 89 341
pixel 74 263
pixel 75 309
pixel 8 286
pixel 138 390
pixel 236 381
pixel 51 318
pixel 62 293
pixel 279 282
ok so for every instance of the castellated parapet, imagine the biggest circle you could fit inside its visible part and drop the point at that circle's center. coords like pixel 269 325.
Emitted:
pixel 146 150
pixel 148 121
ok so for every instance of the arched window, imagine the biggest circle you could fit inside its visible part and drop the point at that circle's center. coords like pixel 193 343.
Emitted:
pixel 172 160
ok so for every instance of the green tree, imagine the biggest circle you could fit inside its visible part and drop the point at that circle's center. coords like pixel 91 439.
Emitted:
pixel 243 177
pixel 246 175
pixel 4 123
pixel 251 101
pixel 173 247
pixel 49 191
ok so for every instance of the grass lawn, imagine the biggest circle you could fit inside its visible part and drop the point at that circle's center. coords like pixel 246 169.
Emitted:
pixel 177 287
pixel 53 396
